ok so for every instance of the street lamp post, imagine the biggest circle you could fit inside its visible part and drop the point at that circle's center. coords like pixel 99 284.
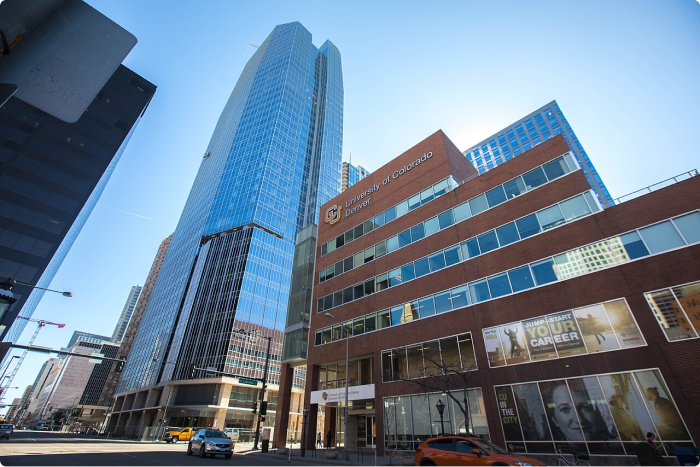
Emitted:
pixel 347 393
pixel 303 432
pixel 441 408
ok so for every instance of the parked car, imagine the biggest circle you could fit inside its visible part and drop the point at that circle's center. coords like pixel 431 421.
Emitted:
pixel 6 430
pixel 210 442
pixel 233 433
pixel 179 434
pixel 465 450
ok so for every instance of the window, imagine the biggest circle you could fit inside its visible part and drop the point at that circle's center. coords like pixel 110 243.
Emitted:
pixel 453 255
pixel 470 248
pixel 556 168
pixel 401 208
pixel 534 178
pixel 413 202
pixel 488 241
pixel 528 226
pixel 369 254
pixel 661 237
pixel 381 282
pixel 404 238
pixel 499 285
pixel 521 279
pixel 461 212
pixel 380 249
pixel 544 271
pixel 514 188
pixel 426 195
pixel 507 234
pixel 437 261
pixel 478 205
pixel 689 225
pixel 445 219
pixel 392 244
pixel 431 226
pixel 633 245
pixel 575 208
pixel 417 232
pixel 443 302
pixel 384 319
pixel 390 214
pixel 440 188
pixel 426 307
pixel 422 267
pixel 496 196
pixel 371 322
pixel 550 217
pixel 479 291
pixel 407 272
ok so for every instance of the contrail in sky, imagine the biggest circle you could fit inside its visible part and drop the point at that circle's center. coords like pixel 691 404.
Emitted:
pixel 130 213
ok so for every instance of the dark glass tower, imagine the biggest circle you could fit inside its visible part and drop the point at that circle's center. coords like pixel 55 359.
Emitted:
pixel 52 174
pixel 273 160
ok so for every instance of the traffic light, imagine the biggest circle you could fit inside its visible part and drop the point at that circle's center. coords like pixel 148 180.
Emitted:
pixel 255 406
pixel 192 368
pixel 263 408
pixel 119 366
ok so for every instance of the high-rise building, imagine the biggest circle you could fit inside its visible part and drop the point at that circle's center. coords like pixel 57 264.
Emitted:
pixel 351 174
pixel 48 372
pixel 531 130
pixel 107 396
pixel 63 132
pixel 273 159
pixel 127 312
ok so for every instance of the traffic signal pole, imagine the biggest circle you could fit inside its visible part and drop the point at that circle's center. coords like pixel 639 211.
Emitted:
pixel 263 405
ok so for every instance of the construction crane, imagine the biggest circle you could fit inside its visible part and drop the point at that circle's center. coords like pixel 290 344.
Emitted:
pixel 40 324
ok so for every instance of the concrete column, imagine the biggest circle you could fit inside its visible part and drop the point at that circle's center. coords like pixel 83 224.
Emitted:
pixel 284 400
pixel 220 419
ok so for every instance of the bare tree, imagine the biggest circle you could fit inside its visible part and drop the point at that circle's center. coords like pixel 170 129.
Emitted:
pixel 449 377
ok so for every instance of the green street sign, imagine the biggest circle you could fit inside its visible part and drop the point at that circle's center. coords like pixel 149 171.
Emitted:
pixel 251 382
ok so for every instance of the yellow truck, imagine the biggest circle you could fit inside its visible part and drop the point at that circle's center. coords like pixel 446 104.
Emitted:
pixel 173 435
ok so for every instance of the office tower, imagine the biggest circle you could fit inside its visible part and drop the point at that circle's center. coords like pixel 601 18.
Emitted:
pixel 107 395
pixel 531 130
pixel 512 302
pixel 49 370
pixel 127 312
pixel 63 132
pixel 351 174
pixel 273 159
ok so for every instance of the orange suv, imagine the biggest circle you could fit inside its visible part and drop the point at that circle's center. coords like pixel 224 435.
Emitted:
pixel 463 450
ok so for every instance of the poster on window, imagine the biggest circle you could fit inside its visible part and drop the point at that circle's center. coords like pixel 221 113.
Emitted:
pixel 533 419
pixel 508 414
pixel 627 406
pixel 539 339
pixel 494 350
pixel 561 413
pixel 662 409
pixel 595 328
pixel 628 334
pixel 592 409
pixel 514 347
pixel 566 334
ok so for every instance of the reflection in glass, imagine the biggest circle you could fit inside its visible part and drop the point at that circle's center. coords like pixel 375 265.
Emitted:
pixel 663 411
pixel 670 315
pixel 689 298
pixel 533 419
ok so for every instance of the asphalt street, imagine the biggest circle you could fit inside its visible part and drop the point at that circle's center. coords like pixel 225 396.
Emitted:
pixel 40 448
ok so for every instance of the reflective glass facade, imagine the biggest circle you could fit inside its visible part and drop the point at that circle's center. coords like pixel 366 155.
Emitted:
pixel 273 159
pixel 541 125
pixel 351 174
pixel 52 174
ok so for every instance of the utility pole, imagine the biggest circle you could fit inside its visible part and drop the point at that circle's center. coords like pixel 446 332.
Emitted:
pixel 263 403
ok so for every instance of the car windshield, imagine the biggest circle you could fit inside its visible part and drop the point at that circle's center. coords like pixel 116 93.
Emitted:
pixel 489 446
pixel 5 427
pixel 214 434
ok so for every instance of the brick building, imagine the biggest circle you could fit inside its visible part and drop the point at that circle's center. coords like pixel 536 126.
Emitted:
pixel 561 324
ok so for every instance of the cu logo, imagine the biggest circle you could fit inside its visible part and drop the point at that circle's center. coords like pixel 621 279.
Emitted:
pixel 333 214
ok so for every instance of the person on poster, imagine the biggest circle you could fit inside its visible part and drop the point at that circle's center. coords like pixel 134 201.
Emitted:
pixel 513 336
pixel 668 415
pixel 562 415
pixel 595 327
pixel 628 427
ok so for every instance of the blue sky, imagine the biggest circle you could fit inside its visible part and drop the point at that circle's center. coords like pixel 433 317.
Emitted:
pixel 625 74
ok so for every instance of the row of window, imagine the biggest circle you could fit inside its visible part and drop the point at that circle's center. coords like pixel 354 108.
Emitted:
pixel 498 195
pixel 654 239
pixel 595 328
pixel 439 357
pixel 394 212
pixel 520 229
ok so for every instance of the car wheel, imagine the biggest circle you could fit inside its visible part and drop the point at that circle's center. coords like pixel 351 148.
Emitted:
pixel 228 456
pixel 175 439
pixel 189 449
pixel 427 462
pixel 203 450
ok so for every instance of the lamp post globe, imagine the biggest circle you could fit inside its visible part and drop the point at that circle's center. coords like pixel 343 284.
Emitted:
pixel 441 409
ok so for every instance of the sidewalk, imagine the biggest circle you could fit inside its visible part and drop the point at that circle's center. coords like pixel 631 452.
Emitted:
pixel 366 458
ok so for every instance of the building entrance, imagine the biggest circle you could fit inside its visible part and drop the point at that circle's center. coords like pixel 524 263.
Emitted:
pixel 366 432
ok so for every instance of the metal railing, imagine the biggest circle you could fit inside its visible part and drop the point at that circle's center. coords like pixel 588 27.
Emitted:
pixel 657 186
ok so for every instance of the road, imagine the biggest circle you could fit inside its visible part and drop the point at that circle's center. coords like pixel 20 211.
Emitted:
pixel 61 449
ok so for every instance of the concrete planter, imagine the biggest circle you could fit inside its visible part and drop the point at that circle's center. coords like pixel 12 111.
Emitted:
pixel 282 451
pixel 332 454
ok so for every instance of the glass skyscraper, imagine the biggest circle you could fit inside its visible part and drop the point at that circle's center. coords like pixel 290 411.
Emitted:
pixel 541 125
pixel 351 174
pixel 274 158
